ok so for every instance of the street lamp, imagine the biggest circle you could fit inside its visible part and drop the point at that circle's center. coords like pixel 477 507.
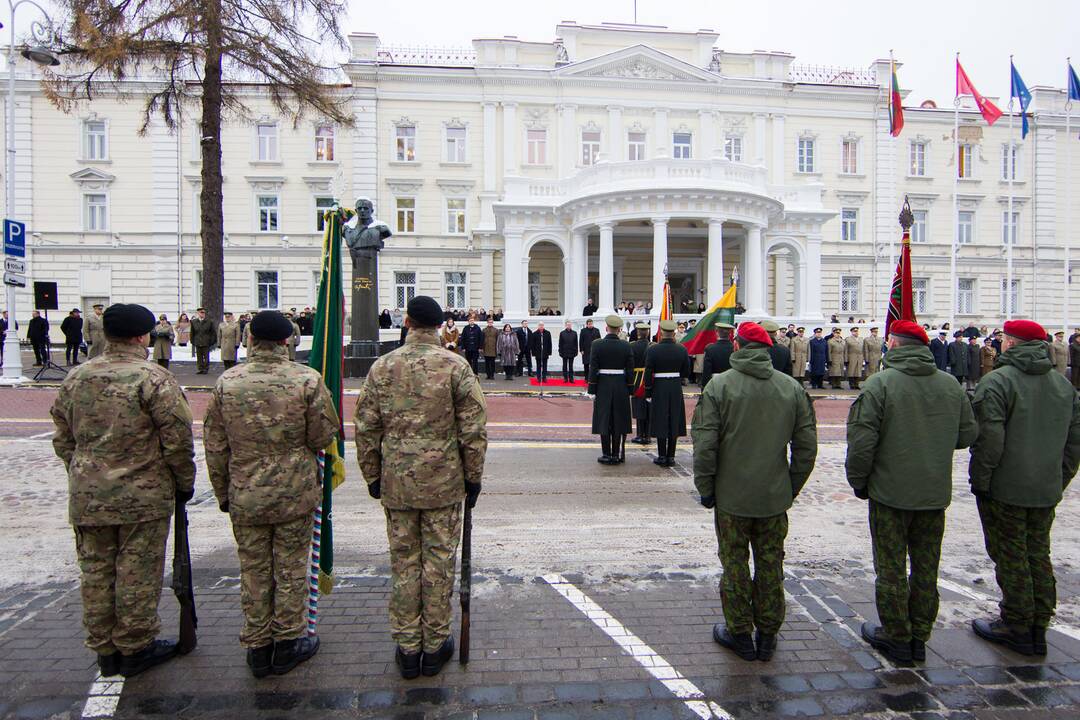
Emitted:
pixel 42 33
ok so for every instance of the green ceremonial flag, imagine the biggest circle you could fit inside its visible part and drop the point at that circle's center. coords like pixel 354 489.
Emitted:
pixel 326 357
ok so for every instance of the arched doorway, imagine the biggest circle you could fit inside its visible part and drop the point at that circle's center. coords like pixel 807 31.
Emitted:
pixel 545 278
pixel 785 271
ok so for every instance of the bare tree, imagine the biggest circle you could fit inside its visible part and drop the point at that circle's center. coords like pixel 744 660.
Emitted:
pixel 210 52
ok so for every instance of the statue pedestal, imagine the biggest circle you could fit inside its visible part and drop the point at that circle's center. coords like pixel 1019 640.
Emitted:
pixel 361 354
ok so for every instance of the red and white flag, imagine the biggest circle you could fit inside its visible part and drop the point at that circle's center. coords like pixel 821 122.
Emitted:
pixel 989 110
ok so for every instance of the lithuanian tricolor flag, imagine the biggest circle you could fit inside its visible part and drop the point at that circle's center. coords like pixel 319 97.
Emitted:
pixel 703 333
pixel 896 108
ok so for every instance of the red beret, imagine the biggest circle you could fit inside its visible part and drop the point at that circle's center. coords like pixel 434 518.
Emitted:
pixel 752 332
pixel 906 328
pixel 1025 330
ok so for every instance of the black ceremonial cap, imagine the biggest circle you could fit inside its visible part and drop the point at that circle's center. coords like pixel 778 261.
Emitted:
pixel 271 325
pixel 425 311
pixel 126 321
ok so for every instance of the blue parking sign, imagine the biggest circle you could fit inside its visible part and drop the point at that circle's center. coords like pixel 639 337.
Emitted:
pixel 14 238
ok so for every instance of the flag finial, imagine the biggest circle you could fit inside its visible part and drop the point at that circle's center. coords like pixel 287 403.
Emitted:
pixel 907 218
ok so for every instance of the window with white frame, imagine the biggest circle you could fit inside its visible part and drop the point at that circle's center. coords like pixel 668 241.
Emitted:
pixel 920 294
pixel 313 295
pixel 455 144
pixel 404 288
pixel 267 208
pixel 1008 227
pixel 849 224
pixel 635 146
pixel 1010 297
pixel 455 215
pixel 918 227
pixel 966 167
pixel 405 143
pixel 590 146
pixel 965 227
pixel 95 212
pixel 266 135
pixel 536 142
pixel 806 155
pixel 324 143
pixel 682 145
pixel 456 283
pixel 917 151
pixel 733 148
pixel 849 157
pixel 198 283
pixel 266 289
pixel 322 204
pixel 95 140
pixel 1009 152
pixel 965 296
pixel 406 214
pixel 534 291
pixel 850 286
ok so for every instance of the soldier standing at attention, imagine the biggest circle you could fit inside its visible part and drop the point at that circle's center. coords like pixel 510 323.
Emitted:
pixel 666 364
pixel 873 352
pixel 640 345
pixel 1027 453
pixel 95 332
pixel 779 353
pixel 902 432
pixel 203 336
pixel 123 430
pixel 424 405
pixel 855 356
pixel 294 339
pixel 611 377
pixel 837 354
pixel 742 427
pixel 265 424
pixel 1059 352
pixel 800 354
pixel 718 354
pixel 228 339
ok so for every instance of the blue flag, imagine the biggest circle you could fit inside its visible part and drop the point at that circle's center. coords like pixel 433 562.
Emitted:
pixel 1019 90
pixel 1074 84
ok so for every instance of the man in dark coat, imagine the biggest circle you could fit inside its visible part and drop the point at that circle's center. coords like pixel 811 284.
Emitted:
pixel 939 348
pixel 778 353
pixel 472 342
pixel 819 359
pixel 38 335
pixel 72 329
pixel 958 357
pixel 611 375
pixel 585 340
pixel 589 309
pixel 491 348
pixel 639 344
pixel 718 355
pixel 1074 360
pixel 568 349
pixel 524 336
pixel 666 364
pixel 203 337
pixel 540 348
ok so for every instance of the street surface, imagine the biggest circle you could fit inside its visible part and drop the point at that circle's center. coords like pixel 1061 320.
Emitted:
pixel 594 595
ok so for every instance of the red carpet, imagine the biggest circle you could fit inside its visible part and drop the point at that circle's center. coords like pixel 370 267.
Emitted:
pixel 558 382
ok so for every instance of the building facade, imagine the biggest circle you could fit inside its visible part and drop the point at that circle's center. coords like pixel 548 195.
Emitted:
pixel 527 175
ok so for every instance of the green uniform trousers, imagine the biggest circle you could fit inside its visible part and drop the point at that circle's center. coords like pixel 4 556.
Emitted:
pixel 274 563
pixel 1018 541
pixel 759 602
pixel 907 605
pixel 423 555
pixel 122 567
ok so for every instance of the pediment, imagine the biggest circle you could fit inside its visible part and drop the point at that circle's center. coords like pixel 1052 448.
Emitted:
pixel 92 177
pixel 639 62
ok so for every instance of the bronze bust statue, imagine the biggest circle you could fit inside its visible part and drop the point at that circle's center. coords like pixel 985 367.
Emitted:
pixel 365 239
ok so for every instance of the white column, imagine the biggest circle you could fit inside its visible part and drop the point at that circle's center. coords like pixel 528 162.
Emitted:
pixel 812 279
pixel 755 272
pixel 616 148
pixel 579 246
pixel 606 301
pixel 659 260
pixel 759 138
pixel 716 283
pixel 567 139
pixel 487 279
pixel 523 283
pixel 511 159
pixel 490 148
pixel 779 151
pixel 567 285
pixel 662 140
pixel 707 135
pixel 514 294
pixel 779 263
pixel 800 289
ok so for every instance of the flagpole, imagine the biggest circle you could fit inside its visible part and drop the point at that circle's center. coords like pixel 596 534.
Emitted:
pixel 1010 167
pixel 892 90
pixel 1068 205
pixel 956 199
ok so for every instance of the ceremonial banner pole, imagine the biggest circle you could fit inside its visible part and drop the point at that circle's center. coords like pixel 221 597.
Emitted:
pixel 954 247
pixel 1010 226
pixel 1066 274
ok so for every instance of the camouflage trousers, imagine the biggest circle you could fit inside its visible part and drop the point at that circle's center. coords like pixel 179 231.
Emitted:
pixel 759 602
pixel 423 555
pixel 122 567
pixel 907 605
pixel 274 562
pixel 1018 541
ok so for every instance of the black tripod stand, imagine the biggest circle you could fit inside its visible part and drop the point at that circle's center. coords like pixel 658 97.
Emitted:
pixel 48 364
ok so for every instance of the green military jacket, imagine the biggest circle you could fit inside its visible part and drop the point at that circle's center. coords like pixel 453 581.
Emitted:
pixel 265 424
pixel 743 424
pixel 903 429
pixel 421 425
pixel 1029 429
pixel 123 429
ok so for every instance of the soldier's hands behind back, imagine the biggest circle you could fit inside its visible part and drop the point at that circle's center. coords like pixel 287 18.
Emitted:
pixel 472 493
pixel 224 507
pixel 185 495
pixel 708 501
pixel 862 493
pixel 375 489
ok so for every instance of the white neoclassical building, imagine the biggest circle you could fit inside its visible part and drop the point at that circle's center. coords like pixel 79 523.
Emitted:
pixel 522 175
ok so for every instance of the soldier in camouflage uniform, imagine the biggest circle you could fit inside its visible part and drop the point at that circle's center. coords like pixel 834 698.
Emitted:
pixel 742 427
pixel 902 432
pixel 420 439
pixel 265 424
pixel 123 430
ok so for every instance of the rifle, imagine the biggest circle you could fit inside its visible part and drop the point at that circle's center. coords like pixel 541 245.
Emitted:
pixel 465 586
pixel 181 581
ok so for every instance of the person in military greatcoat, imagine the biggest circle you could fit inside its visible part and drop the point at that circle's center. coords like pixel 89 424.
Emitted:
pixel 639 405
pixel 873 351
pixel 837 355
pixel 718 354
pixel 228 339
pixel 611 377
pixel 855 357
pixel 666 364
pixel 800 354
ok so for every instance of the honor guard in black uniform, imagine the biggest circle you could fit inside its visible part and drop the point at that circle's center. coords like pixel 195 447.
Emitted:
pixel 638 403
pixel 666 364
pixel 718 354
pixel 611 377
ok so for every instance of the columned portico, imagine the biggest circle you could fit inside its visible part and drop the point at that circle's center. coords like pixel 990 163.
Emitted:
pixel 660 260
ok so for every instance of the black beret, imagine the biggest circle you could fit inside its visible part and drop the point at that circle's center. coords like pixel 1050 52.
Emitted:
pixel 126 321
pixel 271 325
pixel 425 311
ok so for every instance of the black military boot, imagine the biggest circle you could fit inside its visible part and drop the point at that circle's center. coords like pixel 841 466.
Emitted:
pixel 408 663
pixel 918 650
pixel 742 644
pixel 290 653
pixel 766 645
pixel 260 660
pixel 605 450
pixel 109 665
pixel 898 652
pixel 1038 640
pixel 432 663
pixel 997 631
pixel 153 654
pixel 671 452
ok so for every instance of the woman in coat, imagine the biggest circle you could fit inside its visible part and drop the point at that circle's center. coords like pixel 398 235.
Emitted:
pixel 183 330
pixel 507 350
pixel 162 337
pixel 987 357
pixel 450 335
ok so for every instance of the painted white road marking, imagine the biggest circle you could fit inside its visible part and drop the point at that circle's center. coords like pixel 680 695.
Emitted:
pixel 104 697
pixel 648 658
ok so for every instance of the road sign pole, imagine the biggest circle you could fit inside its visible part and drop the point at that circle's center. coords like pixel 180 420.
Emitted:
pixel 13 369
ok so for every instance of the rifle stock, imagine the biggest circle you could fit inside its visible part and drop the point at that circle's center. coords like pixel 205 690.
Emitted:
pixel 181 581
pixel 466 584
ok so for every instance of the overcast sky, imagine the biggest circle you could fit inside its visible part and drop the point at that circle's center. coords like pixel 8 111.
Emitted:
pixel 924 34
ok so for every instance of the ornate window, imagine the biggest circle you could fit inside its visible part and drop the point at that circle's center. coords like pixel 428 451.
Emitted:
pixel 95 212
pixel 324 143
pixel 966 167
pixel 806 155
pixel 404 142
pixel 849 224
pixel 849 156
pixel 965 296
pixel 95 140
pixel 404 288
pixel 682 145
pixel 456 290
pixel 590 146
pixel 406 214
pixel 455 216
pixel 635 145
pixel 266 142
pixel 917 157
pixel 920 294
pixel 456 148
pixel 536 142
pixel 267 208
pixel 1010 297
pixel 733 148
pixel 850 286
